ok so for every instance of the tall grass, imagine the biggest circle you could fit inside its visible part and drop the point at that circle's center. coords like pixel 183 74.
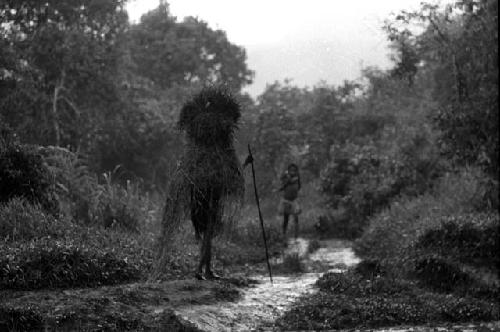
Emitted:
pixel 21 220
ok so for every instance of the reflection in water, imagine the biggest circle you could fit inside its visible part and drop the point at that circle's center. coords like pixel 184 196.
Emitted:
pixel 261 305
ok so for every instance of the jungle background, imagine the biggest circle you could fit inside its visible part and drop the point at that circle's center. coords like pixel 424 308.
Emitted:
pixel 403 161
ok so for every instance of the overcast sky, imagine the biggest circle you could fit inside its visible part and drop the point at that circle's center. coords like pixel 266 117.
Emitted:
pixel 306 41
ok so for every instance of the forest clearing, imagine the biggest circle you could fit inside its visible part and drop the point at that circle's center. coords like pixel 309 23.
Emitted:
pixel 142 188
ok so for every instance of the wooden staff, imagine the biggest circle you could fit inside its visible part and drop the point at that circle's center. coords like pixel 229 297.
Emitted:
pixel 249 160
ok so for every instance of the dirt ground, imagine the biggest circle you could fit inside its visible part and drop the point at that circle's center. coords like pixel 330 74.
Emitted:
pixel 245 302
pixel 134 307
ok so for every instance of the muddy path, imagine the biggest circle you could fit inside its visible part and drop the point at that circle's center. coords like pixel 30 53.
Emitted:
pixel 261 305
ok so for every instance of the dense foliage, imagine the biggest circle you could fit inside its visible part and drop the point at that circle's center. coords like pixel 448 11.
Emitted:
pixel 77 74
pixel 169 52
pixel 464 240
pixel 54 264
pixel 457 198
pixel 22 220
pixel 348 300
pixel 24 174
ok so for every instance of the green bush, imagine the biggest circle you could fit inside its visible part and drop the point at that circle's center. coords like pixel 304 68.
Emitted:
pixel 20 319
pixel 338 224
pixel 369 268
pixel 439 238
pixel 355 184
pixel 439 274
pixel 22 220
pixel 126 206
pixel 354 284
pixel 363 180
pixel 71 255
pixel 456 256
pixel 350 301
pixel 392 232
pixel 77 187
pixel 23 173
pixel 104 202
pixel 461 240
pixel 48 263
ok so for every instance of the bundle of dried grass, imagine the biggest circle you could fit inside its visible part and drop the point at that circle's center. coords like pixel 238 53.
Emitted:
pixel 208 184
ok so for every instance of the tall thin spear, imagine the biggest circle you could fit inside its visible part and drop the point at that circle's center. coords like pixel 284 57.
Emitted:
pixel 249 160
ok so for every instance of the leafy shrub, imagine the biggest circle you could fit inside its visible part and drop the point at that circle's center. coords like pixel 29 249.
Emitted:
pixel 73 255
pixel 348 301
pixel 106 202
pixel 22 220
pixel 439 238
pixel 77 188
pixel 369 268
pixel 355 284
pixel 393 232
pixel 20 319
pixel 468 118
pixel 46 263
pixel 126 206
pixel 461 240
pixel 455 256
pixel 24 174
pixel 362 180
pixel 439 274
pixel 338 224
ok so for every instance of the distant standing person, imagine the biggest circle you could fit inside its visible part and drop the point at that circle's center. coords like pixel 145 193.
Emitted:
pixel 290 185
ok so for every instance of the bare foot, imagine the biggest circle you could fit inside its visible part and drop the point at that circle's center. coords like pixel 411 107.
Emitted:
pixel 212 275
pixel 199 276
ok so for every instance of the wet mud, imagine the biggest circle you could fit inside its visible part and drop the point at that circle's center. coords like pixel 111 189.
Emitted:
pixel 262 304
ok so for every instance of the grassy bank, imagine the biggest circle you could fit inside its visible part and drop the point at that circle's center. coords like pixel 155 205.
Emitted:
pixel 354 300
pixel 429 259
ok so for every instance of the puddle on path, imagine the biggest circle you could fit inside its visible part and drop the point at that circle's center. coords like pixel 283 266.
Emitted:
pixel 261 305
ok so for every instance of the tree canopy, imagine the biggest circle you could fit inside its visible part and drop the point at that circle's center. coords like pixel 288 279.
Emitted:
pixel 170 52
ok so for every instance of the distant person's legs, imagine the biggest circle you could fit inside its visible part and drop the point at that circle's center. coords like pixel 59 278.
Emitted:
pixel 296 228
pixel 286 217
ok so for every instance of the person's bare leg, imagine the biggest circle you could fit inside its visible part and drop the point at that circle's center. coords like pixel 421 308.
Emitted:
pixel 209 273
pixel 296 220
pixel 199 272
pixel 286 217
